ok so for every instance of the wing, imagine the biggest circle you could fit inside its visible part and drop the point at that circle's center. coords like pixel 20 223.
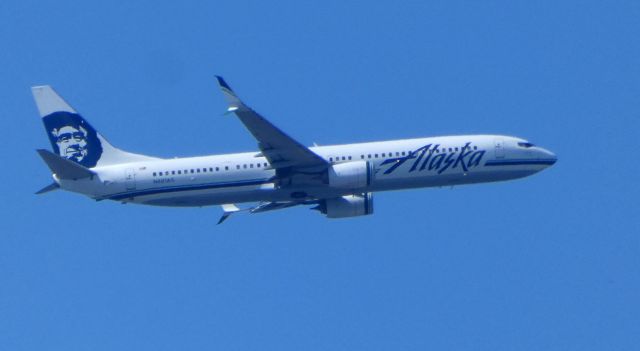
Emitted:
pixel 281 150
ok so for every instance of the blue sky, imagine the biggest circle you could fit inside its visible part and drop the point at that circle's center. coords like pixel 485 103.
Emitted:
pixel 548 262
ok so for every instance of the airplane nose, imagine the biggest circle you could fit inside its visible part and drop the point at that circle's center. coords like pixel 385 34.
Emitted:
pixel 548 156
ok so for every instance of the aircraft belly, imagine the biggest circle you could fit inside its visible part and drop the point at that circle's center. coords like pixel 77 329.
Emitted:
pixel 207 197
pixel 448 179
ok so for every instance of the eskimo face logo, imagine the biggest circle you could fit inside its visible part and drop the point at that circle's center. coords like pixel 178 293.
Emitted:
pixel 72 142
pixel 73 138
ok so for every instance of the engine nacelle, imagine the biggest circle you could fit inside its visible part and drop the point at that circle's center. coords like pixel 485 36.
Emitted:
pixel 348 206
pixel 351 175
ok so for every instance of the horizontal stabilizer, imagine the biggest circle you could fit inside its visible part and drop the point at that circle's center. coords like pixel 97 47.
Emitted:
pixel 48 188
pixel 63 168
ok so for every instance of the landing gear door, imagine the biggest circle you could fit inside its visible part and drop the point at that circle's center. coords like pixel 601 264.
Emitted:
pixel 499 145
pixel 130 178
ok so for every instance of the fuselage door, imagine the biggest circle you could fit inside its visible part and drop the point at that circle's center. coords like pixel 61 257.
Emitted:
pixel 130 178
pixel 499 144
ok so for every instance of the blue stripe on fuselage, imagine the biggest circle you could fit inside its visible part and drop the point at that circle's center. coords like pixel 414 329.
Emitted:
pixel 519 162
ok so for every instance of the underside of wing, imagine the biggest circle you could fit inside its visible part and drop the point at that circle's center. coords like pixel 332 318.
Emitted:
pixel 333 207
pixel 229 209
pixel 272 206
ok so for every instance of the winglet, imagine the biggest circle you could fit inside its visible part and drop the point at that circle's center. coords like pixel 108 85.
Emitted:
pixel 64 168
pixel 223 83
pixel 228 209
pixel 233 100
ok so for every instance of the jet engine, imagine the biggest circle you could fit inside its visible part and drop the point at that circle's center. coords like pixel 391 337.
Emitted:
pixel 351 175
pixel 347 206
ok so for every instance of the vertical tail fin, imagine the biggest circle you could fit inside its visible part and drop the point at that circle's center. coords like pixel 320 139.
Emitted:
pixel 72 137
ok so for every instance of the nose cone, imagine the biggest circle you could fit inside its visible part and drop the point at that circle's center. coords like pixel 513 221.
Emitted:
pixel 547 157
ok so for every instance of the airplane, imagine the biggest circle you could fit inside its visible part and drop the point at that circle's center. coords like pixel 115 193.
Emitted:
pixel 336 180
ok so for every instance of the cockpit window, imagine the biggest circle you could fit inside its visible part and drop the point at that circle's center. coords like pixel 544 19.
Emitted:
pixel 525 144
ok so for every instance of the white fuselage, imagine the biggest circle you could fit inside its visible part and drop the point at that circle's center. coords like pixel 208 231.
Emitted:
pixel 247 177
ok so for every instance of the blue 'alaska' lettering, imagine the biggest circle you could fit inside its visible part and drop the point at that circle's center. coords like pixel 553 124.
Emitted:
pixel 399 161
pixel 447 163
pixel 423 150
pixel 461 156
pixel 474 160
pixel 436 162
pixel 425 160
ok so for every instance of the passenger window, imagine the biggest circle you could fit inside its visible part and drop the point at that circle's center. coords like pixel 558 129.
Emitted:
pixel 349 157
pixel 362 157
pixel 403 153
pixel 173 172
pixel 166 173
pixel 475 148
pixel 237 166
pixel 330 159
pixel 376 155
pixel 251 165
pixel 154 174
pixel 210 169
pixel 197 170
pixel 226 168
pixel 204 170
pixel 265 164
pixel 258 165
pixel 179 172
pixel 369 156
pixel 383 154
pixel 456 149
